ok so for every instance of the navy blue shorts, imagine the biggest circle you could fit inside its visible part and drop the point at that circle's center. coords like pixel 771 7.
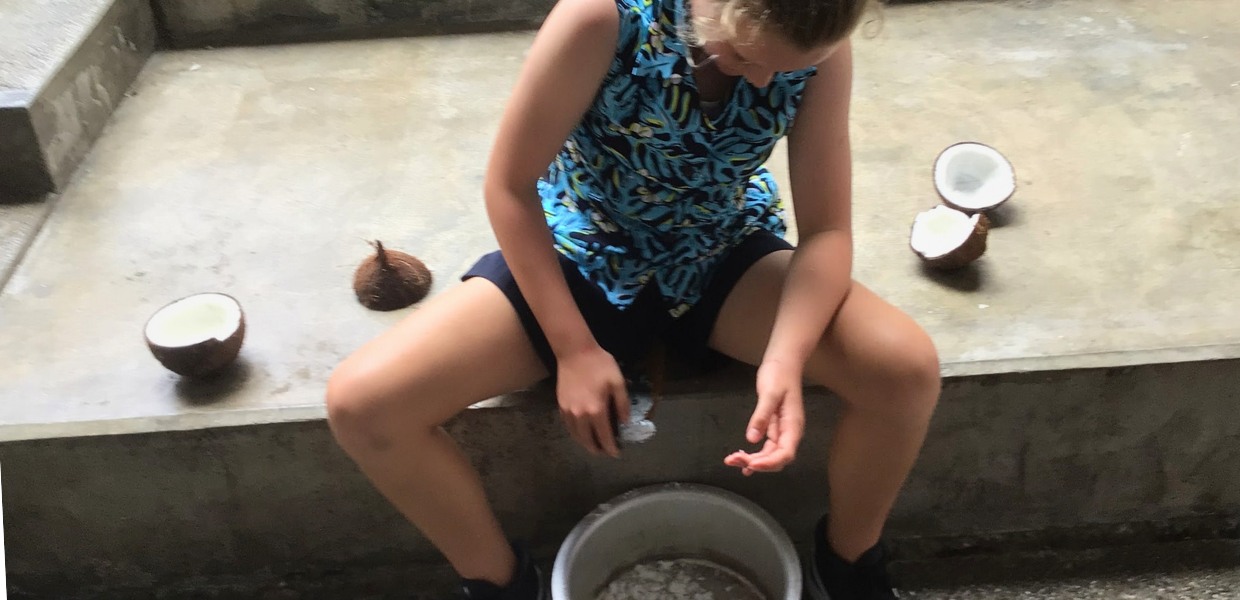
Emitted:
pixel 629 334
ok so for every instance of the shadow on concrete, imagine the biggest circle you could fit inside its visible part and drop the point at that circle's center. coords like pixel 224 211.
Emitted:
pixel 11 199
pixel 967 279
pixel 214 388
pixel 1005 216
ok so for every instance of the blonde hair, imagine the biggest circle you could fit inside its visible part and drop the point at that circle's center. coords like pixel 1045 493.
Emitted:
pixel 806 24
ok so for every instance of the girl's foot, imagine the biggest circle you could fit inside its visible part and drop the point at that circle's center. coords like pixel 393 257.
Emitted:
pixel 526 584
pixel 833 578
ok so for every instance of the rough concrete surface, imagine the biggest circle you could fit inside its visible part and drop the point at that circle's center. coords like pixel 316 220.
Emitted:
pixel 392 584
pixel 1199 585
pixel 1073 558
pixel 1120 247
pixel 19 222
pixel 37 36
pixel 187 23
pixel 67 66
pixel 1016 463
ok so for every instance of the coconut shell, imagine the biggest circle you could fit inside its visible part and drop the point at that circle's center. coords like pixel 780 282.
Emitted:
pixel 204 358
pixel 975 210
pixel 391 280
pixel 972 249
pixel 965 209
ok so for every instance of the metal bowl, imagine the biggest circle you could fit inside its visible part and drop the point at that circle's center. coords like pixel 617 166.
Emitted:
pixel 676 520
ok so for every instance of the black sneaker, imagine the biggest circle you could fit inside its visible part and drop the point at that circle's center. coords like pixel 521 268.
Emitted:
pixel 527 583
pixel 830 577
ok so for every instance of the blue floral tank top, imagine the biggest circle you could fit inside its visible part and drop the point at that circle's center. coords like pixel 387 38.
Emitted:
pixel 649 189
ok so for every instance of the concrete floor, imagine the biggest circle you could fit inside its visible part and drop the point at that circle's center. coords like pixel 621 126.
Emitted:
pixel 263 171
pixel 19 223
pixel 391 583
pixel 1198 585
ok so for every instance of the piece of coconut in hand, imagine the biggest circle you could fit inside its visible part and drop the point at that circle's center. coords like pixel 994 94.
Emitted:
pixel 198 335
pixel 973 177
pixel 391 279
pixel 946 238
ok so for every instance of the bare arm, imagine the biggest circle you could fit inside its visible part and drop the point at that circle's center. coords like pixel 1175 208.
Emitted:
pixel 562 73
pixel 820 165
pixel 820 276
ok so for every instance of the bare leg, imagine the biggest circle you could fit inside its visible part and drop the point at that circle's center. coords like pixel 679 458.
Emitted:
pixel 884 368
pixel 387 401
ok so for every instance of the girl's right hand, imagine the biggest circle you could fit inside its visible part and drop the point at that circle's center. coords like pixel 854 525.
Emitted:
pixel 589 385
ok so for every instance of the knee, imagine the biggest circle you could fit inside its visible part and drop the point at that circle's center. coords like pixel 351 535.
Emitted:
pixel 904 373
pixel 354 410
pixel 359 412
pixel 917 371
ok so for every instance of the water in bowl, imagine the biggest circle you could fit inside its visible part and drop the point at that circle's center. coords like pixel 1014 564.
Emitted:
pixel 680 579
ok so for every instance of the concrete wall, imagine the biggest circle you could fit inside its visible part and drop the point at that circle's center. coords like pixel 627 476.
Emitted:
pixel 23 172
pixel 1121 455
pixel 195 23
pixel 76 104
pixel 186 23
pixel 48 126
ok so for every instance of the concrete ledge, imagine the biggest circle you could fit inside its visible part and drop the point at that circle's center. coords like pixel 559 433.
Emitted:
pixel 196 23
pixel 1014 462
pixel 386 139
pixel 56 96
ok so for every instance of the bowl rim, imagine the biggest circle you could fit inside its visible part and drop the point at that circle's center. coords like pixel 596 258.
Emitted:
pixel 786 550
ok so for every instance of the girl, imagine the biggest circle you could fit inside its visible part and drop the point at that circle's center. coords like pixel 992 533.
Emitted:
pixel 627 192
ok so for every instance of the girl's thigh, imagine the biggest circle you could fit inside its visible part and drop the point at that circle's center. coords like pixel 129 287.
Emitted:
pixel 461 346
pixel 868 339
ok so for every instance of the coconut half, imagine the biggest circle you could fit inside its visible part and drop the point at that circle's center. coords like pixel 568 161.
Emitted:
pixel 197 335
pixel 973 177
pixel 949 239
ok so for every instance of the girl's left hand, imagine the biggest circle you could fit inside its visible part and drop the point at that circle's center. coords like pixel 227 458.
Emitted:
pixel 780 416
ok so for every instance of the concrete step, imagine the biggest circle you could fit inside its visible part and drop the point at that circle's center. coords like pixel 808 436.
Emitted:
pixel 1020 464
pixel 64 67
pixel 196 23
pixel 1091 356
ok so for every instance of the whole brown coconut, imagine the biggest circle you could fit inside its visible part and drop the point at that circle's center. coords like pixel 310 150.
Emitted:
pixel 390 279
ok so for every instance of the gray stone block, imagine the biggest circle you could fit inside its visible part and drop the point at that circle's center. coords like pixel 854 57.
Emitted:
pixel 1020 462
pixel 64 67
pixel 191 23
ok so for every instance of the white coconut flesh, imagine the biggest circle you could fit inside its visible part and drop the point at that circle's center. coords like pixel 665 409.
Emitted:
pixel 941 230
pixel 194 320
pixel 974 176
